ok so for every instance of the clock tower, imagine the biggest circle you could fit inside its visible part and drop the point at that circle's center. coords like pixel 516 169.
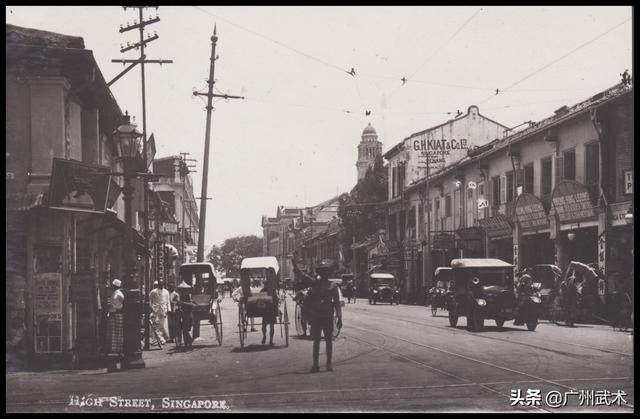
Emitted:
pixel 368 149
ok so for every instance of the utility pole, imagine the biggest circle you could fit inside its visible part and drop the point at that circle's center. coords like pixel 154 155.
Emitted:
pixel 205 167
pixel 185 169
pixel 142 60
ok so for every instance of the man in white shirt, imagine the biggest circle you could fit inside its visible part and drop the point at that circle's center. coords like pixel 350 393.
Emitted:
pixel 160 302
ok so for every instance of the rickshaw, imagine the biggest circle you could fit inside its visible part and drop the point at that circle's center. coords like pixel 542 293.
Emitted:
pixel 437 295
pixel 260 296
pixel 204 295
pixel 348 287
pixel 483 289
pixel 577 297
pixel 545 278
pixel 383 287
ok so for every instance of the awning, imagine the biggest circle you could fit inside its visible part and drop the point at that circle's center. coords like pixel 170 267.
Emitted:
pixel 496 226
pixel 23 201
pixel 110 221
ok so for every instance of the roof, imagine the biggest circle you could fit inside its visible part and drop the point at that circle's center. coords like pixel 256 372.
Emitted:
pixel 23 201
pixel 369 130
pixel 260 262
pixel 382 276
pixel 502 144
pixel 479 263
pixel 197 265
pixel 28 36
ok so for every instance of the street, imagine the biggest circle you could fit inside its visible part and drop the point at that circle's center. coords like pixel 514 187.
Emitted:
pixel 386 358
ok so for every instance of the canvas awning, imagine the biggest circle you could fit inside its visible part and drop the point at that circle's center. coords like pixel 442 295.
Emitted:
pixel 496 226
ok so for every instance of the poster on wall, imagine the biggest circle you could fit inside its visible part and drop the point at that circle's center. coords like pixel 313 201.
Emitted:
pixel 47 303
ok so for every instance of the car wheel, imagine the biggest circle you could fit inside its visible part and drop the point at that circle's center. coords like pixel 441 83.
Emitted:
pixel 369 300
pixel 374 302
pixel 453 320
pixel 499 323
pixel 434 310
pixel 532 324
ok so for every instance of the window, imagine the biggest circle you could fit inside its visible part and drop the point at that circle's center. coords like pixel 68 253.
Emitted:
pixel 503 189
pixel 569 166
pixel 545 177
pixel 436 212
pixel 447 205
pixel 528 178
pixel 394 175
pixel 482 209
pixel 509 187
pixel 592 163
pixel 495 183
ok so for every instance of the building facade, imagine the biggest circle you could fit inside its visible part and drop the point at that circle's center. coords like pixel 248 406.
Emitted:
pixel 427 151
pixel 552 193
pixel 60 261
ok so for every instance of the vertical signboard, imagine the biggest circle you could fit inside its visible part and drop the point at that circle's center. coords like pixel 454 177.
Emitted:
pixel 515 261
pixel 628 182
pixel 47 296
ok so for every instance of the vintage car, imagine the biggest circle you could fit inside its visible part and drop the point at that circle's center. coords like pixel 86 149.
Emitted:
pixel 383 287
pixel 544 278
pixel 483 289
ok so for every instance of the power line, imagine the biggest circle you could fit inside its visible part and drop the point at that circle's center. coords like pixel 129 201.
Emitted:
pixel 438 50
pixel 557 59
pixel 304 54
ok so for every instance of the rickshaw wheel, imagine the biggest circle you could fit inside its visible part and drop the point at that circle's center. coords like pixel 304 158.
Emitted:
pixel 298 320
pixel 499 323
pixel 218 325
pixel 286 324
pixel 336 330
pixel 532 324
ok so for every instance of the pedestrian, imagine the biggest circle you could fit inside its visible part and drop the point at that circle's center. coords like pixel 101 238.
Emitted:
pixel 323 301
pixel 115 326
pixel 172 315
pixel 269 318
pixel 185 310
pixel 160 304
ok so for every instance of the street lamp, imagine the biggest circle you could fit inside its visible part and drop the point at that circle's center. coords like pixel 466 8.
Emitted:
pixel 128 142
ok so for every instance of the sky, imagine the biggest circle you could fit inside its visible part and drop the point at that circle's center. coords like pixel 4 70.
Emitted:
pixel 293 139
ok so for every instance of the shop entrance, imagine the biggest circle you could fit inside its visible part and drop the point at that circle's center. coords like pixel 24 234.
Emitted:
pixel 536 249
pixel 583 247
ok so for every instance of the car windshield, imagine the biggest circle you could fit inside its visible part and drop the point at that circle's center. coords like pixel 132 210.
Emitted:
pixel 389 282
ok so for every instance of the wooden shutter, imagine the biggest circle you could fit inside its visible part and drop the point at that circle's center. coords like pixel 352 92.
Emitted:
pixel 559 163
pixel 503 189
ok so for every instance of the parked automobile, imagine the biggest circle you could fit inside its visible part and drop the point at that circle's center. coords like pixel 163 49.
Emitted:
pixel 383 287
pixel 483 289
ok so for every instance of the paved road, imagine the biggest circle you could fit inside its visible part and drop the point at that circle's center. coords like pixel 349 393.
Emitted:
pixel 387 358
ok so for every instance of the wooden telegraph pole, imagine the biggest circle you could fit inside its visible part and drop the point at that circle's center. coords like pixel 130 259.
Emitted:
pixel 142 60
pixel 205 166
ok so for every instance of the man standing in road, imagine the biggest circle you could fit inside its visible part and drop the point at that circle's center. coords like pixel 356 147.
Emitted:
pixel 161 304
pixel 322 301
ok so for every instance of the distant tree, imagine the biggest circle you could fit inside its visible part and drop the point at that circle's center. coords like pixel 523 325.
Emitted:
pixel 228 257
pixel 360 221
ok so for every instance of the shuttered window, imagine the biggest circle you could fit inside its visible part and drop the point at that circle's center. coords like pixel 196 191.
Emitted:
pixel 545 176
pixel 569 165
pixel 495 184
pixel 592 163
pixel 528 178
pixel 447 205
pixel 509 192
pixel 503 189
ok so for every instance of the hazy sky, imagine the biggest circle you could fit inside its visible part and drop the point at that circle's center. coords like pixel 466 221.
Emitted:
pixel 292 141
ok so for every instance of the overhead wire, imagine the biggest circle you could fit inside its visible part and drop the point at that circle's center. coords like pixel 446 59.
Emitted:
pixel 528 76
pixel 430 57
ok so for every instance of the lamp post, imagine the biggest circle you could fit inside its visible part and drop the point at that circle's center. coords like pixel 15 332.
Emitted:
pixel 128 142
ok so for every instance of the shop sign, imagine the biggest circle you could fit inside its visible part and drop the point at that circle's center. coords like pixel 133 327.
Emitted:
pixel 168 228
pixel 572 202
pixel 628 182
pixel 530 213
pixel 483 203
pixel 47 309
pixel 618 211
pixel 77 186
pixel 434 152
pixel 444 241
pixel 515 260
pixel 602 252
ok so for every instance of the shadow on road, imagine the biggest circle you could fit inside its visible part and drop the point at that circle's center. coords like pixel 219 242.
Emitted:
pixel 494 329
pixel 256 348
